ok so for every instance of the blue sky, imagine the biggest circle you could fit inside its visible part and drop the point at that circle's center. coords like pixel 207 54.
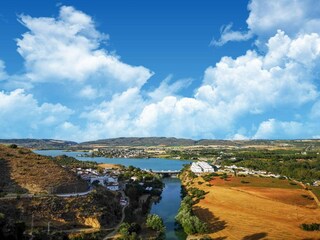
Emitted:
pixel 80 70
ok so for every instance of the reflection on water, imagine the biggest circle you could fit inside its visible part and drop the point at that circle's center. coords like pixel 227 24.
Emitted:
pixel 168 207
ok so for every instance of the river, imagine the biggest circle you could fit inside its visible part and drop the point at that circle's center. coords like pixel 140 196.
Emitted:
pixel 169 204
pixel 168 207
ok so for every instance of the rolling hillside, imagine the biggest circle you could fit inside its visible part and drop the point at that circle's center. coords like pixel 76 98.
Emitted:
pixel 23 171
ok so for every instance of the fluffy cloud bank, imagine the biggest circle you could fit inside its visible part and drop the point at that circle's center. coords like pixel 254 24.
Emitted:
pixel 295 17
pixel 248 85
pixel 68 48
pixel 239 98
pixel 20 112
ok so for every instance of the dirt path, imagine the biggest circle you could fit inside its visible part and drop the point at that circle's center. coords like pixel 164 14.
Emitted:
pixel 75 230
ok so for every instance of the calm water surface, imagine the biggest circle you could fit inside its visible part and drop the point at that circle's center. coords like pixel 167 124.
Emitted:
pixel 155 164
pixel 168 207
pixel 169 204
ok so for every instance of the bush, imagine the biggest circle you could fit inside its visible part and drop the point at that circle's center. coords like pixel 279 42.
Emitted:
pixel 124 229
pixel 155 222
pixel 209 177
pixel 242 181
pixel 13 146
pixel 224 176
pixel 311 227
pixel 196 193
pixel 307 197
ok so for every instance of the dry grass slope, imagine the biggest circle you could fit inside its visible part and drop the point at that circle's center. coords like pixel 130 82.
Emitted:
pixel 23 171
pixel 246 211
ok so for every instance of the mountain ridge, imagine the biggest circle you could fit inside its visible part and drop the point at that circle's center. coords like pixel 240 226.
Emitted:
pixel 140 141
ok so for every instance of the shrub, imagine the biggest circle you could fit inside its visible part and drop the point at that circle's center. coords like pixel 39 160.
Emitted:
pixel 155 222
pixel 209 177
pixel 124 229
pixel 224 176
pixel 242 181
pixel 311 227
pixel 307 197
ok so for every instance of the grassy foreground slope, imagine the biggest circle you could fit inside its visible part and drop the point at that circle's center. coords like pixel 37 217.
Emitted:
pixel 23 171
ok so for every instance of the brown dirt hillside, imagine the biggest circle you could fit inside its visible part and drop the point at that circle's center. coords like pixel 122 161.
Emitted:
pixel 99 209
pixel 23 171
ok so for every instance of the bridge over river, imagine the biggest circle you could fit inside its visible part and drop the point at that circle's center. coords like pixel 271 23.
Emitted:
pixel 165 173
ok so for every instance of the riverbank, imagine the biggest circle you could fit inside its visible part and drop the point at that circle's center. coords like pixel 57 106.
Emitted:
pixel 241 208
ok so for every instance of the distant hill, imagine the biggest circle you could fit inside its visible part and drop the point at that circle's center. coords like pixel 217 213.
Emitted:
pixel 164 141
pixel 23 171
pixel 39 143
pixel 147 141
pixel 143 141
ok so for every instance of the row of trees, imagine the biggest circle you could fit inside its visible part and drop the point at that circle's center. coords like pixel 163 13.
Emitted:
pixel 131 231
pixel 303 167
pixel 190 223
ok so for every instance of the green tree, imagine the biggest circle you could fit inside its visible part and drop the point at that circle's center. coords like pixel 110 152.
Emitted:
pixel 155 222
pixel 124 229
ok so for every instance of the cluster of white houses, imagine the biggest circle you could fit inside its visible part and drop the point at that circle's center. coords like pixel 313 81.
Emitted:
pixel 201 167
pixel 246 171
pixel 110 181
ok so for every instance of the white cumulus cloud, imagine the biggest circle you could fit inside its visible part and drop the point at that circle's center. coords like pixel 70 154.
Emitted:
pixel 248 85
pixel 68 48
pixel 294 17
pixel 274 129
pixel 21 115
pixel 233 94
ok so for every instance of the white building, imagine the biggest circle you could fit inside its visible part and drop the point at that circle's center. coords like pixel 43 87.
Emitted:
pixel 112 180
pixel 206 167
pixel 195 168
pixel 113 187
pixel 201 167
pixel 100 179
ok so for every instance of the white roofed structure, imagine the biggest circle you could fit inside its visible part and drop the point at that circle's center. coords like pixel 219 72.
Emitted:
pixel 201 167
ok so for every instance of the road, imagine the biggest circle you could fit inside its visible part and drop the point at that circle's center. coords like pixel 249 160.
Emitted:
pixel 115 231
pixel 14 196
pixel 74 194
